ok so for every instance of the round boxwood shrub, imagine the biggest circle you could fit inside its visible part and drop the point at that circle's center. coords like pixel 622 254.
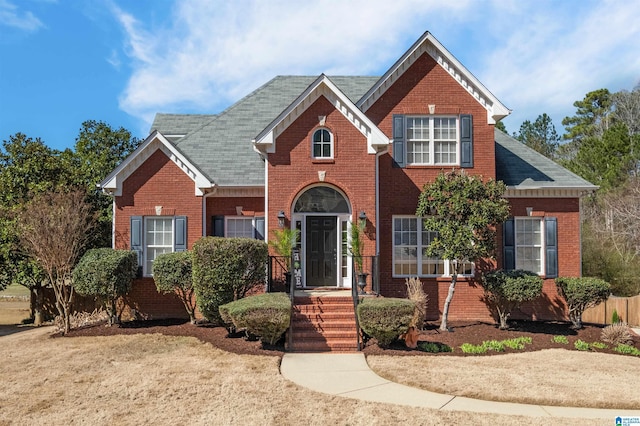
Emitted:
pixel 106 274
pixel 385 318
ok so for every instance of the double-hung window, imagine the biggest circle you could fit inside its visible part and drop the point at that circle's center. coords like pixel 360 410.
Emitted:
pixel 151 236
pixel 432 140
pixel 530 243
pixel 410 258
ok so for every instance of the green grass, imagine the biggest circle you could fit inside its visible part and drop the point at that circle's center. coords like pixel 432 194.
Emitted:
pixel 15 290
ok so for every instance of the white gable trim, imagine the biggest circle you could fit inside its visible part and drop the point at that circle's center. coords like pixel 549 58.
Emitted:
pixel 322 86
pixel 156 141
pixel 428 43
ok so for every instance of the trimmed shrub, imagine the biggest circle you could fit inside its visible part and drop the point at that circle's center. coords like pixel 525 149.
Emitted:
pixel 265 315
pixel 505 291
pixel 385 318
pixel 106 274
pixel 434 347
pixel 616 334
pixel 172 274
pixel 581 293
pixel 226 269
pixel 615 318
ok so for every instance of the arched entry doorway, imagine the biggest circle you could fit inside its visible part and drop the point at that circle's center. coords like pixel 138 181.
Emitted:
pixel 322 214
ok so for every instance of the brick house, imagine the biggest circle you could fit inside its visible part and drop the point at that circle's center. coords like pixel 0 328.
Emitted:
pixel 317 153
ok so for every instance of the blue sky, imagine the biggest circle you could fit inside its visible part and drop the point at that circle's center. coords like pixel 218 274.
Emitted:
pixel 120 61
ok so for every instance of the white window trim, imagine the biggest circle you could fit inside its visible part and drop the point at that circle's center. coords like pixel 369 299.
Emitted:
pixel 247 218
pixel 420 247
pixel 331 144
pixel 543 243
pixel 145 246
pixel 431 139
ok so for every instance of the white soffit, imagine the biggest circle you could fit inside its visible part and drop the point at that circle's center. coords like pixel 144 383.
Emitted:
pixel 156 141
pixel 428 43
pixel 322 86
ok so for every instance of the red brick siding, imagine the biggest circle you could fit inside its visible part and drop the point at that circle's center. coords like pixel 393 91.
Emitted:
pixel 226 206
pixel 157 182
pixel 291 168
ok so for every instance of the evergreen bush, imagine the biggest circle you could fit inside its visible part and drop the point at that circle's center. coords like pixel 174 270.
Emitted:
pixel 385 318
pixel 505 291
pixel 265 315
pixel 106 274
pixel 172 274
pixel 581 293
pixel 226 269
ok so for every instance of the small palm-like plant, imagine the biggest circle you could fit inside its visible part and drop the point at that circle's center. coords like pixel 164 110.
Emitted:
pixel 283 243
pixel 616 334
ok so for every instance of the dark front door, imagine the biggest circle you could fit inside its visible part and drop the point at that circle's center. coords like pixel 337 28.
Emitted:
pixel 322 250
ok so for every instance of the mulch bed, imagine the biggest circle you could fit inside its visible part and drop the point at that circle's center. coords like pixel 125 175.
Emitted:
pixel 475 333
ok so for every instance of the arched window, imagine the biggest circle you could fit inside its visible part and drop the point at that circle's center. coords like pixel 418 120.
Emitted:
pixel 322 145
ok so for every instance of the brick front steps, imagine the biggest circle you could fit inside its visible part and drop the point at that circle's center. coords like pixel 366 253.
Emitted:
pixel 323 323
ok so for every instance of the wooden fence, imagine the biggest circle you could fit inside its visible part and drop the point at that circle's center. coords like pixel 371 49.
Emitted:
pixel 628 309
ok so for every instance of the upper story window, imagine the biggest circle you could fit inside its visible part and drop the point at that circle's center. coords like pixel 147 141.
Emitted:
pixel 322 144
pixel 432 140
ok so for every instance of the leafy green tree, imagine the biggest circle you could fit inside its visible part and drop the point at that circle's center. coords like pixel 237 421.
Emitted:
pixel 98 150
pixel 106 274
pixel 608 160
pixel 172 274
pixel 540 135
pixel 592 116
pixel 464 210
pixel 581 293
pixel 27 168
pixel 505 291
pixel 500 126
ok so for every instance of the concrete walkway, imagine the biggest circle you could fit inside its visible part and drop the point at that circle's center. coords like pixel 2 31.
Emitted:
pixel 349 376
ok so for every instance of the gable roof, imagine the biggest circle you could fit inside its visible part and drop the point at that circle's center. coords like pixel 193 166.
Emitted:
pixel 322 86
pixel 522 168
pixel 430 45
pixel 154 142
pixel 221 144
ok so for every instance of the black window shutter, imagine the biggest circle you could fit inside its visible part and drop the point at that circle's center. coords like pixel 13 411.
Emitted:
pixel 551 243
pixel 218 226
pixel 398 141
pixel 180 236
pixel 508 245
pixel 259 230
pixel 136 240
pixel 466 140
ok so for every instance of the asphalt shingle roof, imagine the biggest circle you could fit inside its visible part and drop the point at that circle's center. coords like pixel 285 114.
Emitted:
pixel 520 166
pixel 220 145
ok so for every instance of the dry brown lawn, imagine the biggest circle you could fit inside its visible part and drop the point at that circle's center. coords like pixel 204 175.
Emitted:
pixel 167 380
pixel 164 380
pixel 549 377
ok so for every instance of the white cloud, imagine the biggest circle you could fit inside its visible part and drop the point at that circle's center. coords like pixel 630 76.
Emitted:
pixel 11 16
pixel 537 56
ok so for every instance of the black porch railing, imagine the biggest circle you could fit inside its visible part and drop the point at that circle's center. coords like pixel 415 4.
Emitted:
pixel 279 278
